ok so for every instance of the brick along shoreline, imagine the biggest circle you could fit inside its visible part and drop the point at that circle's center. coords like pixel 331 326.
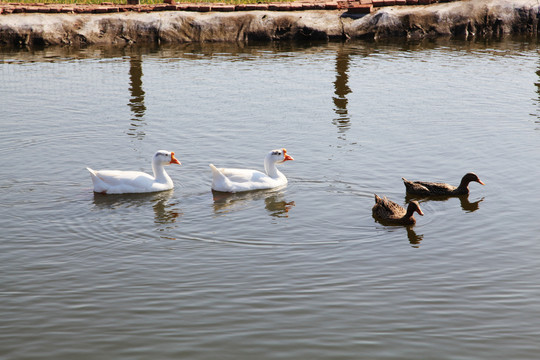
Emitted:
pixel 83 25
pixel 352 6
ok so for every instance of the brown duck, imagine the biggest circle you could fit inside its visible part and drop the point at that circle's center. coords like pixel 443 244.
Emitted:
pixel 387 211
pixel 424 188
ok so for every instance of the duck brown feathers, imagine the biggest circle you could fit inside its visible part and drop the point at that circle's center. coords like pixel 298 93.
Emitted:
pixel 426 188
pixel 387 211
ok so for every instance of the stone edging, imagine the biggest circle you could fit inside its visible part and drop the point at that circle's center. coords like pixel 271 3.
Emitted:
pixel 351 6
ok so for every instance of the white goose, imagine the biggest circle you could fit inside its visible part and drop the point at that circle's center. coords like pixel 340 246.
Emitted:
pixel 237 180
pixel 125 182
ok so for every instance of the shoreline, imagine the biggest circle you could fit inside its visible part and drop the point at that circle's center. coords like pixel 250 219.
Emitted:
pixel 351 6
pixel 463 19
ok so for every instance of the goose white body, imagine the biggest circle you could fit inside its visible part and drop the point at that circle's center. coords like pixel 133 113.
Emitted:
pixel 239 180
pixel 124 182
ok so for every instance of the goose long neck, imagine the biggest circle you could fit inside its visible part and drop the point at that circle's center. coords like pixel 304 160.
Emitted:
pixel 270 168
pixel 159 172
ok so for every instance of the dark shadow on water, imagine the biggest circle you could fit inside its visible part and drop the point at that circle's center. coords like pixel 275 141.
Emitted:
pixel 466 205
pixel 274 201
pixel 412 236
pixel 165 212
pixel 136 101
pixel 537 84
pixel 341 90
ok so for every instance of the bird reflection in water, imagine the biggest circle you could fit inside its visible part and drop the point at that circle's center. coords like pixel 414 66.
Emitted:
pixel 466 205
pixel 414 239
pixel 341 90
pixel 136 102
pixel 165 212
pixel 274 201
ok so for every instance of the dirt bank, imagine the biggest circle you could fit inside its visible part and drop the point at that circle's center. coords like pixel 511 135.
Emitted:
pixel 485 18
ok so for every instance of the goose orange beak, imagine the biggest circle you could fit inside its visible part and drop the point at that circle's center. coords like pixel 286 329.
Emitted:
pixel 480 182
pixel 174 160
pixel 285 156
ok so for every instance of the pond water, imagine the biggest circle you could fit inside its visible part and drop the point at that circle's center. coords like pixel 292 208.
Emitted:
pixel 303 272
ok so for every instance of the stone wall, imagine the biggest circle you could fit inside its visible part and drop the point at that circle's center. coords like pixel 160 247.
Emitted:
pixel 485 18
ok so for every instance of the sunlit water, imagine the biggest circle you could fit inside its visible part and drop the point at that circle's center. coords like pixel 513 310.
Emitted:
pixel 304 272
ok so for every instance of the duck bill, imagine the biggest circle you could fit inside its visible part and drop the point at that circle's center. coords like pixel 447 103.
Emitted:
pixel 420 212
pixel 286 157
pixel 174 160
pixel 480 182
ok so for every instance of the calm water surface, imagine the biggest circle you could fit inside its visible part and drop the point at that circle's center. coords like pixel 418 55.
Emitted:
pixel 304 272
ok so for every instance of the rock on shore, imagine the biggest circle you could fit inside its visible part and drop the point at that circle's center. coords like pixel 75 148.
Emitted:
pixel 461 19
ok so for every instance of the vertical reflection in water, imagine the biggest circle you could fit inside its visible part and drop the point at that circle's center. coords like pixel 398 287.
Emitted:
pixel 414 239
pixel 537 121
pixel 341 90
pixel 136 102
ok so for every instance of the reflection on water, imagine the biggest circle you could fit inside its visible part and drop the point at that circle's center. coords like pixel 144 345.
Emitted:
pixel 274 201
pixel 165 212
pixel 341 90
pixel 414 238
pixel 537 84
pixel 466 205
pixel 186 276
pixel 136 102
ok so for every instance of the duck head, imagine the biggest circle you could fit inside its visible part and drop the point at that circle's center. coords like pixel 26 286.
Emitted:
pixel 414 206
pixel 469 177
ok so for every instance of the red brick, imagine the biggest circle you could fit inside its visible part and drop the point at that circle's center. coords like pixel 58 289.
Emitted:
pixel 296 6
pixel 412 2
pixel 377 3
pixel 401 2
pixel 389 2
pixel 308 6
pixel 279 7
pixel 256 6
pixel 360 9
pixel 223 8
pixel 160 7
pixel 331 6
pixel 204 8
pixel 424 2
pixel 31 9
